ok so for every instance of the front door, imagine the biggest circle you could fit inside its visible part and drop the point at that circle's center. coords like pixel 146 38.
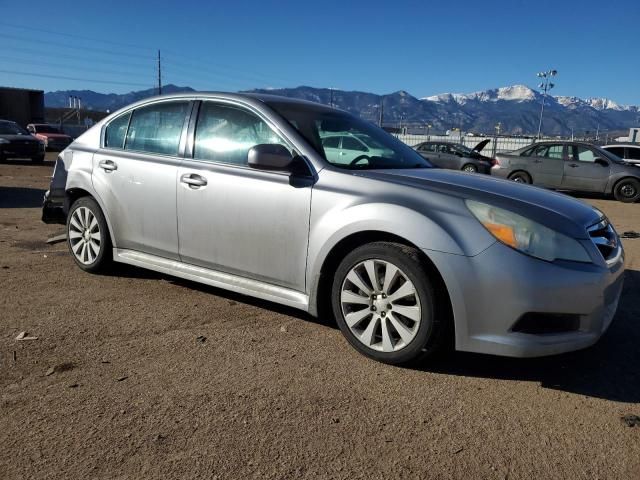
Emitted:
pixel 582 172
pixel 134 174
pixel 234 218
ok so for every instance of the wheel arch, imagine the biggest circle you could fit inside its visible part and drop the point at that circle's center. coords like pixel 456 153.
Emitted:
pixel 319 301
pixel 74 193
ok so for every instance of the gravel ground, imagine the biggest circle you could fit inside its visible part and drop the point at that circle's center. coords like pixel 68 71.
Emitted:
pixel 139 375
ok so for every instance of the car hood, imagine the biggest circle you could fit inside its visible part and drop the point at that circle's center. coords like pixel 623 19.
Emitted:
pixel 19 138
pixel 554 210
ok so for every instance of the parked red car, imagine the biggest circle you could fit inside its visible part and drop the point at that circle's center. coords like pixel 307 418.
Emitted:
pixel 52 137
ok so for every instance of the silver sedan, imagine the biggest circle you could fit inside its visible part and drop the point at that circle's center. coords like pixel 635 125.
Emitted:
pixel 237 191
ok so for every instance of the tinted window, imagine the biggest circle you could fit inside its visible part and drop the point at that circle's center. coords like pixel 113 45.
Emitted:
pixel 619 151
pixel 540 151
pixel 633 153
pixel 350 143
pixel 426 147
pixel 331 142
pixel 116 132
pixel 226 134
pixel 157 128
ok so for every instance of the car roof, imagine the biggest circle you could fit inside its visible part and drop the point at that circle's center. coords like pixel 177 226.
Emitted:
pixel 632 145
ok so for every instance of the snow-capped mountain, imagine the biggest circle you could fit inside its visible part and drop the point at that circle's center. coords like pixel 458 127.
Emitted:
pixel 516 107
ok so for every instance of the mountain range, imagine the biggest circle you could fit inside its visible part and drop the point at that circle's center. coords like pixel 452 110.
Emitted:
pixel 516 108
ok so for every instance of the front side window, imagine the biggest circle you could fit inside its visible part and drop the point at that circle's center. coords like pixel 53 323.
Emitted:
pixel 426 147
pixel 157 128
pixel 226 134
pixel 619 151
pixel 540 151
pixel 116 132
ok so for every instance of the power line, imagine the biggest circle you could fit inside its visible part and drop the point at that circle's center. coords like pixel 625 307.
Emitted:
pixel 71 35
pixel 90 80
pixel 130 65
pixel 83 48
pixel 59 65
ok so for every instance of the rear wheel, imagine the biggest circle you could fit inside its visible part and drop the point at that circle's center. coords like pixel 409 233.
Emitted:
pixel 88 236
pixel 470 168
pixel 627 190
pixel 520 177
pixel 385 305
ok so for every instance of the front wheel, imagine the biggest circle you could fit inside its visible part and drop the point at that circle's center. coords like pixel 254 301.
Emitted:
pixel 88 236
pixel 627 190
pixel 385 305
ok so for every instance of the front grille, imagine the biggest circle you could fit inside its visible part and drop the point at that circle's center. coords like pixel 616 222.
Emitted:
pixel 604 238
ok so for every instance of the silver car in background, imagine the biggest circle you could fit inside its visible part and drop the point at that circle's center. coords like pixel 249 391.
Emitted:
pixel 236 191
pixel 571 166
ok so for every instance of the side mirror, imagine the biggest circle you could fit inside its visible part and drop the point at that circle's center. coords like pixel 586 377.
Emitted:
pixel 601 161
pixel 270 157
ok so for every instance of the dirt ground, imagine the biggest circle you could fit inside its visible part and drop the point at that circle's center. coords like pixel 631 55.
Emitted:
pixel 118 384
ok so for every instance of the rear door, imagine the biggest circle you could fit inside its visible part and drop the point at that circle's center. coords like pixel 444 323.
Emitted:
pixel 134 174
pixel 546 165
pixel 352 148
pixel 582 172
pixel 331 147
pixel 448 157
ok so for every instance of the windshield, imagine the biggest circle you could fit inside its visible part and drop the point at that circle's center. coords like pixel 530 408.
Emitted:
pixel 347 141
pixel 10 128
pixel 46 129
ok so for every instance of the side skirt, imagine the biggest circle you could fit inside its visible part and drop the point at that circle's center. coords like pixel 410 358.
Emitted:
pixel 245 286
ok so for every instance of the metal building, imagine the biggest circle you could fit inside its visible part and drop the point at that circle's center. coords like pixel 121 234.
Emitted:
pixel 21 105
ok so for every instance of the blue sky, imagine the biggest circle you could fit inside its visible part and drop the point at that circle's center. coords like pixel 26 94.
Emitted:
pixel 418 46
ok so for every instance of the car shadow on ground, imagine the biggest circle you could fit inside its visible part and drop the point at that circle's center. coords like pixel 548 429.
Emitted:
pixel 20 197
pixel 608 370
pixel 26 162
pixel 129 271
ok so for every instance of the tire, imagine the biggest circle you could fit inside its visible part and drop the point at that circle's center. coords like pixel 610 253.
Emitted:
pixel 89 242
pixel 38 159
pixel 469 168
pixel 627 190
pixel 398 330
pixel 520 177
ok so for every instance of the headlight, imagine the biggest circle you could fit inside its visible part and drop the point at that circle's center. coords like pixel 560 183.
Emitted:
pixel 527 236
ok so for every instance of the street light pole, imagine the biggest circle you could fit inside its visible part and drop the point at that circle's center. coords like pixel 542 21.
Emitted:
pixel 546 85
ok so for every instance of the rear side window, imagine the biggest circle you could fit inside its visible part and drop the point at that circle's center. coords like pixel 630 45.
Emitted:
pixel 157 128
pixel 583 154
pixel 555 151
pixel 116 132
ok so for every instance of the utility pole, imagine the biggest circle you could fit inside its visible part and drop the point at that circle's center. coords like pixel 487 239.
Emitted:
pixel 159 75
pixel 331 97
pixel 546 85
pixel 381 116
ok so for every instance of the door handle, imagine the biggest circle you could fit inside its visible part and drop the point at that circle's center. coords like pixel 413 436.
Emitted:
pixel 537 161
pixel 108 165
pixel 193 180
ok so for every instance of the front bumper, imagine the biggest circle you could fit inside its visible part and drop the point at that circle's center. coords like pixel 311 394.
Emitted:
pixel 492 291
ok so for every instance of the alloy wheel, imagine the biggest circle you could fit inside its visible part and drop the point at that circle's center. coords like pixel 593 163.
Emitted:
pixel 85 237
pixel 380 305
